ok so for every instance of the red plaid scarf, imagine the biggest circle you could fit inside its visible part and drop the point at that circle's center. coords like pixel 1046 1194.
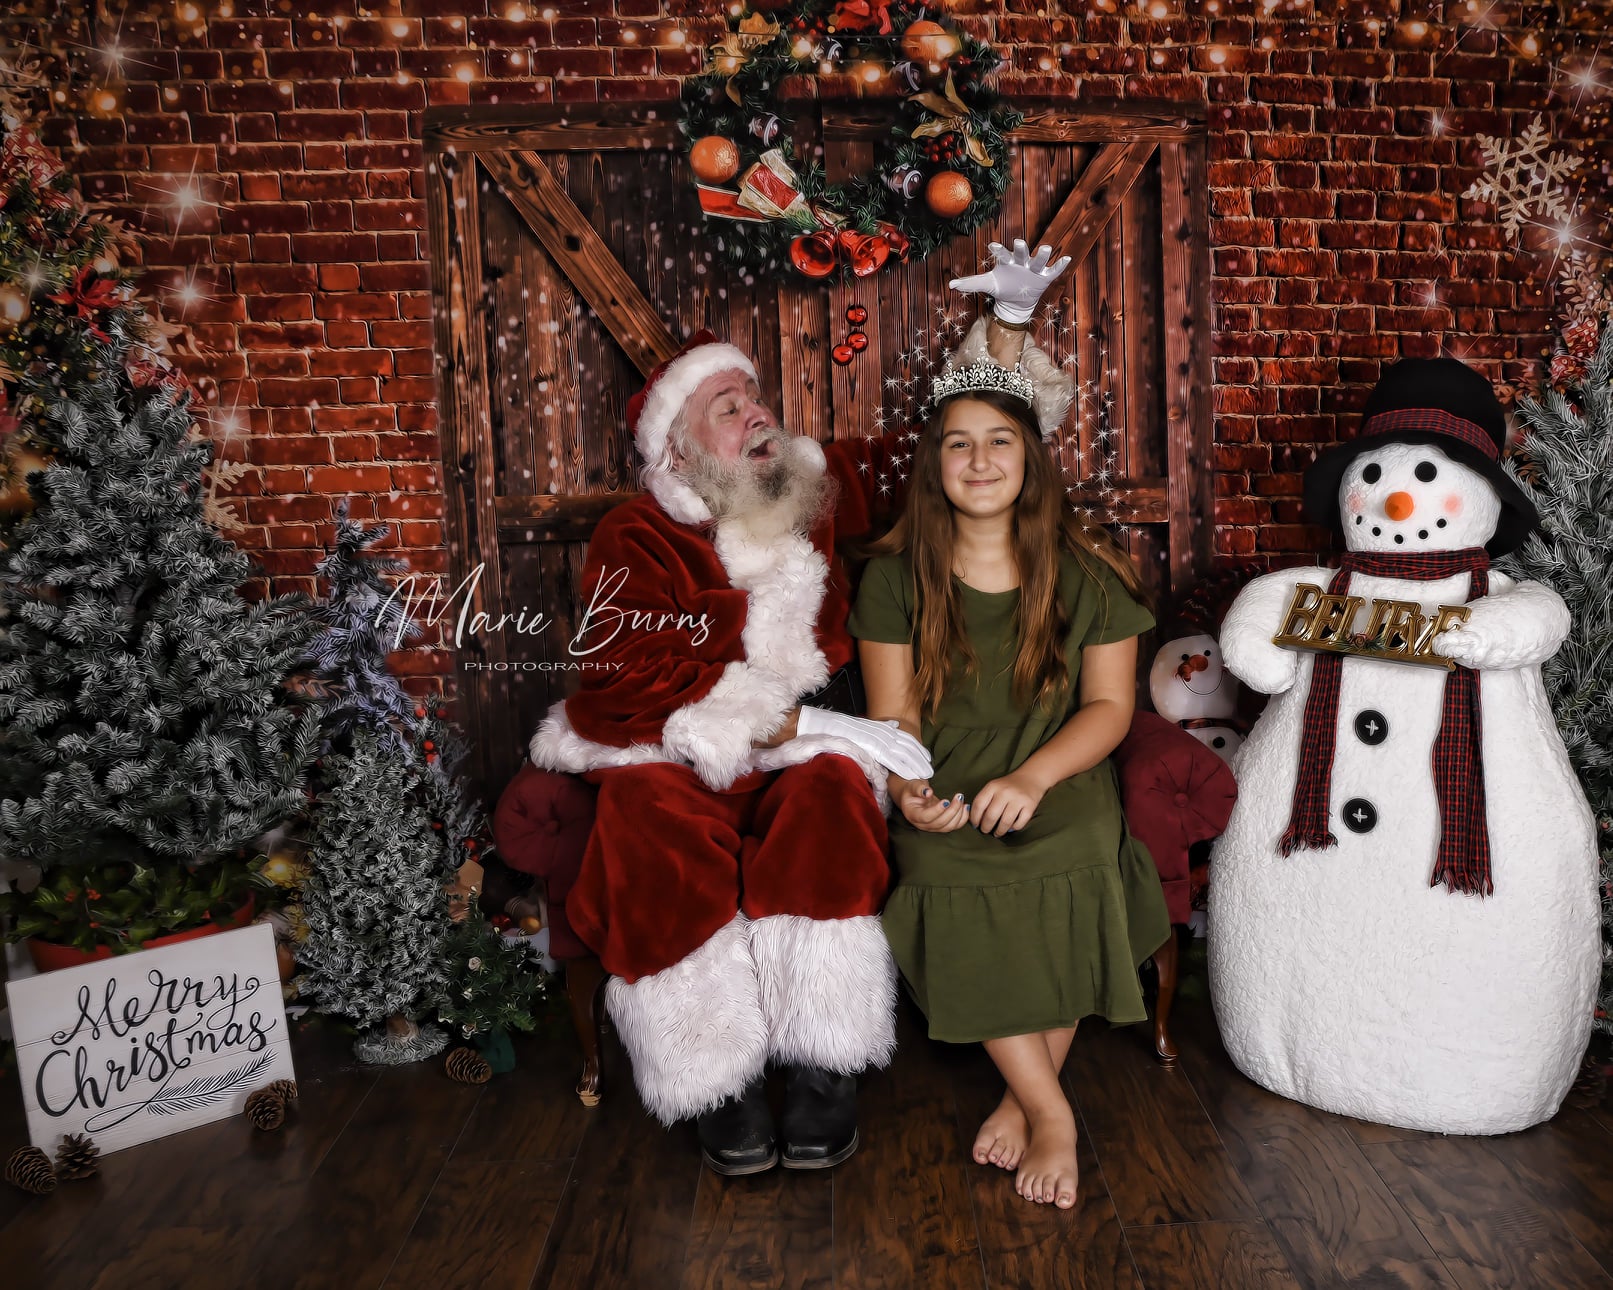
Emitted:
pixel 1463 862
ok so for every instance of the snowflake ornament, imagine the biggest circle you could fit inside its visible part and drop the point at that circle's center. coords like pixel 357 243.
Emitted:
pixel 1523 178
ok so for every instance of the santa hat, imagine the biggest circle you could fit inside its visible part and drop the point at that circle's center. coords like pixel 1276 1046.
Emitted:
pixel 651 412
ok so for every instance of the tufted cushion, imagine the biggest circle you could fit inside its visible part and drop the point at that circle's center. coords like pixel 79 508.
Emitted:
pixel 1175 792
pixel 541 827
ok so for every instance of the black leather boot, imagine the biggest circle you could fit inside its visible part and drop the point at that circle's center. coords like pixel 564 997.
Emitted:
pixel 737 1137
pixel 820 1118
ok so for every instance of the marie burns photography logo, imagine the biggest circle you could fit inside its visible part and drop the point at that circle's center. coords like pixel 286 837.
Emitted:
pixel 602 622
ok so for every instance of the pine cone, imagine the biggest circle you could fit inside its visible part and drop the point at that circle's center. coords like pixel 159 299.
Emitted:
pixel 76 1157
pixel 468 1066
pixel 30 1169
pixel 266 1109
pixel 287 1088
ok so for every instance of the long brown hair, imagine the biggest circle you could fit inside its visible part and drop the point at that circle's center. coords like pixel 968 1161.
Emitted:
pixel 1042 525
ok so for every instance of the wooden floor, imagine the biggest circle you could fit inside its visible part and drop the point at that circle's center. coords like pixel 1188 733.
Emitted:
pixel 1193 1177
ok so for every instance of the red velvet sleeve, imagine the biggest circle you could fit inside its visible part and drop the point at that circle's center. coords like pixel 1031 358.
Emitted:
pixel 871 474
pixel 654 635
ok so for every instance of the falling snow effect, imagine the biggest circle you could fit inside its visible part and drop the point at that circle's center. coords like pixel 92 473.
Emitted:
pixel 1091 473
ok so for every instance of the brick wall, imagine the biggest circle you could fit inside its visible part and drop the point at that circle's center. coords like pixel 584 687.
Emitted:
pixel 1342 137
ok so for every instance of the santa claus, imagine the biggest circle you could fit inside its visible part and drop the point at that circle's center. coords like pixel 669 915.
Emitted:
pixel 734 877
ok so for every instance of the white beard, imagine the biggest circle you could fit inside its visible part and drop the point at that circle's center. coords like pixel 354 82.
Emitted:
pixel 767 499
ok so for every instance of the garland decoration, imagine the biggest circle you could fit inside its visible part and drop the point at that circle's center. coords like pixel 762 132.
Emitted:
pixel 940 173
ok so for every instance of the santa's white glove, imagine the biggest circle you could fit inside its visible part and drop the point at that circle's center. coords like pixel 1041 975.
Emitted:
pixel 885 741
pixel 1017 281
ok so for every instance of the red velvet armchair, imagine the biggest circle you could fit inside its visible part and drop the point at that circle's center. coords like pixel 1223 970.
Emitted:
pixel 1175 792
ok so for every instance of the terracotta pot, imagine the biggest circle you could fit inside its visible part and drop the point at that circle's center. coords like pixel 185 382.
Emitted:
pixel 50 957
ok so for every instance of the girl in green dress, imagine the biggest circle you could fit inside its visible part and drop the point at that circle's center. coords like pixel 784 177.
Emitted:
pixel 1002 632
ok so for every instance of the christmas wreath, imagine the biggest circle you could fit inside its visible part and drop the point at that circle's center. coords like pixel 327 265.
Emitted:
pixel 940 173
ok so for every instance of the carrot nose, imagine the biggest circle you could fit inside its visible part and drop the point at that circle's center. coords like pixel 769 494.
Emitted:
pixel 1191 665
pixel 1398 506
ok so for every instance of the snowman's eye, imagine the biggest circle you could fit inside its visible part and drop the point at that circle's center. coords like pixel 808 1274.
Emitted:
pixel 1426 471
pixel 1184 658
pixel 1208 652
pixel 1372 474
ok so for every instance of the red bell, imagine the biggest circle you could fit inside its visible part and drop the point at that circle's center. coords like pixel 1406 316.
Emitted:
pixel 814 254
pixel 866 251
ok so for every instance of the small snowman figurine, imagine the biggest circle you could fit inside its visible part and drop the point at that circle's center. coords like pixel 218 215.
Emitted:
pixel 1190 686
pixel 1403 923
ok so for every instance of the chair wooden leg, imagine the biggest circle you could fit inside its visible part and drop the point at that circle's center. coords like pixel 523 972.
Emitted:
pixel 1165 963
pixel 585 983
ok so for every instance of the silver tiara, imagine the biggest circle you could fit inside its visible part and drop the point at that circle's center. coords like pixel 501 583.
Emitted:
pixel 982 376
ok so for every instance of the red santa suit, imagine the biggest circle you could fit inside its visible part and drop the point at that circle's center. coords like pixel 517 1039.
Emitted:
pixel 732 891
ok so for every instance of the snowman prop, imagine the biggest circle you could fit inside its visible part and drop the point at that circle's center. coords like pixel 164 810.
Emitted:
pixel 1190 685
pixel 1403 922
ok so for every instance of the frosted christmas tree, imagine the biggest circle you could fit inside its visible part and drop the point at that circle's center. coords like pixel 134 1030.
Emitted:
pixel 1568 448
pixel 146 738
pixel 394 825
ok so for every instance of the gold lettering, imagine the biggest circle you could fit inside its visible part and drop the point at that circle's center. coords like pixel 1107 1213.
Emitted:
pixel 1402 626
pixel 1301 611
pixel 1331 625
pixel 1447 617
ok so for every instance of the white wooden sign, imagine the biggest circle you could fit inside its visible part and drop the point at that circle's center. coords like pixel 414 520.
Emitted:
pixel 142 1045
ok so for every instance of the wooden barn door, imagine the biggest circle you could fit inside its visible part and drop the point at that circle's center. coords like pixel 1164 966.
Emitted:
pixel 569 258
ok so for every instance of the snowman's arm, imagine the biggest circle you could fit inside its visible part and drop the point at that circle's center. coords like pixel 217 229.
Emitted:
pixel 1255 617
pixel 1518 625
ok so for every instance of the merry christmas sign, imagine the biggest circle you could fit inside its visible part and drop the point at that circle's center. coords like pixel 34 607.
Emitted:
pixel 142 1045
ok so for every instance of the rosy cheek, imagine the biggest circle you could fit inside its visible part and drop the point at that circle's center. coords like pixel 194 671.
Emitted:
pixel 1355 502
pixel 1453 505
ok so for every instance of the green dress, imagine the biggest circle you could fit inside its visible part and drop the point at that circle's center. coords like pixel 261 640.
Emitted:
pixel 1037 929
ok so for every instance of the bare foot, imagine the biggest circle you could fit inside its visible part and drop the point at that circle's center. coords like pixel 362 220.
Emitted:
pixel 1048 1174
pixel 1002 1138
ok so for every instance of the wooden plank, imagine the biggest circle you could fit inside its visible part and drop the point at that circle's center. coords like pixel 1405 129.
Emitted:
pixel 583 257
pixel 625 1218
pixel 1160 1154
pixel 506 245
pixel 1480 1219
pixel 1566 1165
pixel 597 368
pixel 551 365
pixel 854 388
pixel 1332 1215
pixel 530 1114
pixel 483 1225
pixel 1024 1244
pixel 804 359
pixel 1097 195
pixel 605 126
pixel 167 1208
pixel 1047 121
pixel 1118 285
pixel 771 1232
pixel 1214 1256
pixel 1189 428
pixel 902 1210
pixel 453 199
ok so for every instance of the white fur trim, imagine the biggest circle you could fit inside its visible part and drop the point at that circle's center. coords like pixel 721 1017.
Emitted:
pixel 785 577
pixel 828 990
pixel 675 497
pixel 672 388
pixel 1054 389
pixel 695 1030
pixel 558 746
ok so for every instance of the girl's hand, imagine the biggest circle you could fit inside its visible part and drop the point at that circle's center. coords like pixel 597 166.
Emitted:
pixel 924 810
pixel 1006 804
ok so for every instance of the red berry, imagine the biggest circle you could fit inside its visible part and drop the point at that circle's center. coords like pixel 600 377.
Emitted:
pixel 428 745
pixel 419 712
pixel 431 756
pixel 442 714
pixel 470 844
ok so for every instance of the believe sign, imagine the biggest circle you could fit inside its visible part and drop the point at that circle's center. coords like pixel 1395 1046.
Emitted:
pixel 142 1045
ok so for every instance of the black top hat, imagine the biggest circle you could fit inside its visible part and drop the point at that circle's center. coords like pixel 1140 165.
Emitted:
pixel 1443 403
